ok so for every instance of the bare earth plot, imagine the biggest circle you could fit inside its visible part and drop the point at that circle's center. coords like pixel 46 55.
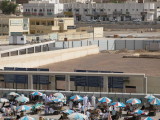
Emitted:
pixel 109 62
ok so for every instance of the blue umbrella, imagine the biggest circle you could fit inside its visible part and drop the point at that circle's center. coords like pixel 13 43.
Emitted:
pixel 104 100
pixel 155 101
pixel 149 97
pixel 26 118
pixel 58 95
pixel 148 118
pixel 68 111
pixel 76 98
pixel 57 100
pixel 134 101
pixel 36 93
pixel 118 104
pixel 138 112
pixel 23 108
pixel 77 116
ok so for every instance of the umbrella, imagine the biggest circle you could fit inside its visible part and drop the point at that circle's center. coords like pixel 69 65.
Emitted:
pixel 138 111
pixel 104 100
pixel 26 118
pixel 37 105
pixel 58 95
pixel 68 111
pixel 22 99
pixel 2 100
pixel 155 101
pixel 118 104
pixel 23 108
pixel 76 98
pixel 36 93
pixel 148 118
pixel 149 97
pixel 13 94
pixel 133 101
pixel 57 100
pixel 77 116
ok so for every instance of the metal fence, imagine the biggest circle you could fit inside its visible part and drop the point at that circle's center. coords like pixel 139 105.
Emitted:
pixel 112 44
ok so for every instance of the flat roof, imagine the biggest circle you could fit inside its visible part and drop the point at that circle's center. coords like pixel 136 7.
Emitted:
pixel 109 62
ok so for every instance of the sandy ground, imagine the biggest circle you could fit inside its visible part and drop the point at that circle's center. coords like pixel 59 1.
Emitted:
pixel 109 62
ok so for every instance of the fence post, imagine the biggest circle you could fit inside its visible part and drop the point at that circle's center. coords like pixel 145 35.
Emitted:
pixel 98 43
pixel 63 44
pixel 125 44
pixel 134 44
pixel 72 45
pixel 107 45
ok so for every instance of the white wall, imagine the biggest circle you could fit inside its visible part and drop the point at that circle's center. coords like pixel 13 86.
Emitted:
pixel 43 58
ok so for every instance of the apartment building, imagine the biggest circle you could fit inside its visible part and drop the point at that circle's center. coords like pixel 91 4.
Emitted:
pixel 108 11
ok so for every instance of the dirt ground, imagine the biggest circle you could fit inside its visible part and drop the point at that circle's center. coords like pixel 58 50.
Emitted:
pixel 109 61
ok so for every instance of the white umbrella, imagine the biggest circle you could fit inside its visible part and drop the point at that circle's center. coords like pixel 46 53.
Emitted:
pixel 77 116
pixel 149 97
pixel 13 94
pixel 2 100
pixel 22 99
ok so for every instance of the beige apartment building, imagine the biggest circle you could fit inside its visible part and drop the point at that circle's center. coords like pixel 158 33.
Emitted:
pixel 35 25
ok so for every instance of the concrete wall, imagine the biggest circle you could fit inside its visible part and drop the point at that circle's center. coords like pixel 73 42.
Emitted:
pixel 43 58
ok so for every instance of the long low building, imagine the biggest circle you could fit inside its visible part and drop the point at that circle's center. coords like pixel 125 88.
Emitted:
pixel 90 11
pixel 10 25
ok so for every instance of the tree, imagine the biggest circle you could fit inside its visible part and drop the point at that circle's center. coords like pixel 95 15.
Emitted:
pixel 8 7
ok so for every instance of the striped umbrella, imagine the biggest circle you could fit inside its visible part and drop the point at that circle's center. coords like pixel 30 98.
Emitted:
pixel 118 104
pixel 133 101
pixel 77 116
pixel 37 105
pixel 104 100
pixel 57 100
pixel 58 95
pixel 149 97
pixel 148 118
pixel 76 98
pixel 22 99
pixel 138 111
pixel 2 100
pixel 155 101
pixel 13 94
pixel 26 118
pixel 36 93
pixel 23 108
pixel 68 111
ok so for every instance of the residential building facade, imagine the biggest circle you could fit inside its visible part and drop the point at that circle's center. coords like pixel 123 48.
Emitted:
pixel 43 8
pixel 108 11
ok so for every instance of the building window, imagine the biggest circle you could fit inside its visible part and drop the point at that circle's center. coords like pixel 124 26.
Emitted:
pixel 22 39
pixel 26 10
pixel 115 10
pixel 137 9
pixel 35 10
pixel 127 10
pixel 132 9
pixel 85 10
pixel 109 9
pixel 69 10
pixel 101 10
pixel 121 9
